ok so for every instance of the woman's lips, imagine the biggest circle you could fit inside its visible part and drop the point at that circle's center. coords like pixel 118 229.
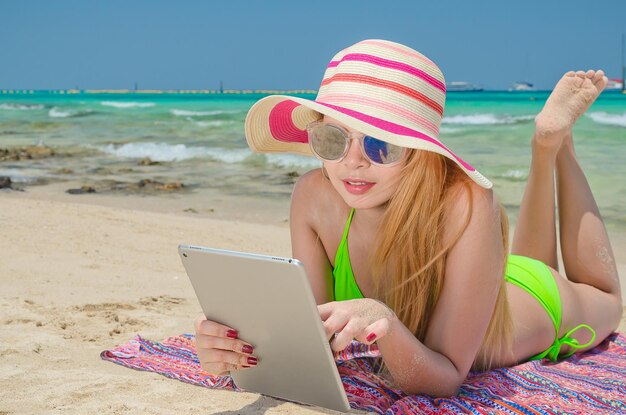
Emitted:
pixel 356 186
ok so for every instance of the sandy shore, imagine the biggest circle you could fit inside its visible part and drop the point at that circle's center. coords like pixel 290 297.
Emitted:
pixel 79 278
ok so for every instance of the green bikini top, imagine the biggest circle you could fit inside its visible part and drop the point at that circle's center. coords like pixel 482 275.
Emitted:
pixel 345 284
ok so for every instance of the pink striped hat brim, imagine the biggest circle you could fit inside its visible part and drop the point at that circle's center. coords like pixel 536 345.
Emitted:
pixel 278 123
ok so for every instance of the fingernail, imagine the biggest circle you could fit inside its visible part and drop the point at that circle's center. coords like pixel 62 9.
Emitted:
pixel 370 337
pixel 252 360
pixel 232 334
pixel 247 349
pixel 245 366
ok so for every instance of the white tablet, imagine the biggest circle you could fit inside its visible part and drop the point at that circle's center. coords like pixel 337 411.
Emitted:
pixel 269 301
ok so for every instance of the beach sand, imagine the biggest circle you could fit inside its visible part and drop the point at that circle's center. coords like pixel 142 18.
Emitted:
pixel 78 278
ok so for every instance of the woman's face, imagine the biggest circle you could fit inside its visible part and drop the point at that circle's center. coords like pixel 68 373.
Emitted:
pixel 361 184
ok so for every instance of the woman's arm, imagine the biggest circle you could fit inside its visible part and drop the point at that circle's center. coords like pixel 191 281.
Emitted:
pixel 457 327
pixel 306 245
pixel 460 319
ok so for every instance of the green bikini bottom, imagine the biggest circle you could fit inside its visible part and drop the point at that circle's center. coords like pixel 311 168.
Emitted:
pixel 535 277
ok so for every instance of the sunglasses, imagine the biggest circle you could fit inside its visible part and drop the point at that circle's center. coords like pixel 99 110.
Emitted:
pixel 331 142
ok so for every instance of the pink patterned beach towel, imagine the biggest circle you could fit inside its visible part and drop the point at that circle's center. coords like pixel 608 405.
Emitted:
pixel 590 383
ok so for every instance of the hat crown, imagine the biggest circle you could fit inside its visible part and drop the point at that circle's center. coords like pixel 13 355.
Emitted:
pixel 388 81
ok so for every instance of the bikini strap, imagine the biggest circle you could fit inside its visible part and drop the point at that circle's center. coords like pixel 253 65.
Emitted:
pixel 553 351
pixel 346 229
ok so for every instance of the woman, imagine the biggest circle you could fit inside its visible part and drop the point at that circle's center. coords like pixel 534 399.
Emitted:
pixel 405 244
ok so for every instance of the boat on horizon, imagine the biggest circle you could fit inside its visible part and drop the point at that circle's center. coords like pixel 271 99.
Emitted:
pixel 615 84
pixel 462 86
pixel 522 86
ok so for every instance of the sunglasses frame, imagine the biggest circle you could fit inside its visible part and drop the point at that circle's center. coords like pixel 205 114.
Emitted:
pixel 348 137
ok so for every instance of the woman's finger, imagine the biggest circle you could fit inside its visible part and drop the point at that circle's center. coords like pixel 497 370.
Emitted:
pixel 326 309
pixel 212 328
pixel 375 331
pixel 219 357
pixel 347 333
pixel 219 369
pixel 335 323
pixel 213 342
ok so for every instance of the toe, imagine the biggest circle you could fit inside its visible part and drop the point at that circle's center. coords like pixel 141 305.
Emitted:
pixel 580 73
pixel 602 83
pixel 590 73
pixel 598 76
pixel 570 73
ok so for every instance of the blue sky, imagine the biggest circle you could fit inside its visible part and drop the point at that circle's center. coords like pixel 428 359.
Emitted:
pixel 287 44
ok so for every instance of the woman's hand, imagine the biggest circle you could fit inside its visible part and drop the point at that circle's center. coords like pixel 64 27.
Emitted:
pixel 363 319
pixel 219 350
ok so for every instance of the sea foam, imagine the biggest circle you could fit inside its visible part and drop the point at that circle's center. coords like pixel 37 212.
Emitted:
pixel 486 119
pixel 56 112
pixel 602 117
pixel 121 104
pixel 186 113
pixel 293 161
pixel 214 123
pixel 516 175
pixel 21 107
pixel 154 151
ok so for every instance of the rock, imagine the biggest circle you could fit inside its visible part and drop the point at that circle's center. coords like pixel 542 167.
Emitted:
pixel 39 152
pixel 293 174
pixel 147 183
pixel 170 186
pixel 81 190
pixel 148 162
pixel 5 182
pixel 26 153
pixel 101 171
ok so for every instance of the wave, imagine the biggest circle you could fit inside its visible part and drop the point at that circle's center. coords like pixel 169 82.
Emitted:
pixel 186 113
pixel 516 175
pixel 486 119
pixel 178 152
pixel 215 123
pixel 121 104
pixel 21 107
pixel 602 117
pixel 449 130
pixel 154 151
pixel 55 112
pixel 292 161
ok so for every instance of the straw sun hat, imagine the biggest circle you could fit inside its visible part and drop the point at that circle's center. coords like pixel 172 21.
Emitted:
pixel 379 88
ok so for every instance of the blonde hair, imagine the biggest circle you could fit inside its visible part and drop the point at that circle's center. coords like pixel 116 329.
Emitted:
pixel 414 220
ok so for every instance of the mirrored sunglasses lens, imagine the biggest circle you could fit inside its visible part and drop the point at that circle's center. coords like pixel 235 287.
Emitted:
pixel 328 142
pixel 381 152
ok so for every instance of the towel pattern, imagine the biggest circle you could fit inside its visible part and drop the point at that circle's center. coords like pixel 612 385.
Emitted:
pixel 591 382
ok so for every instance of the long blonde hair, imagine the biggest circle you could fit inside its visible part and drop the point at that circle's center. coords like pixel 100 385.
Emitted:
pixel 414 220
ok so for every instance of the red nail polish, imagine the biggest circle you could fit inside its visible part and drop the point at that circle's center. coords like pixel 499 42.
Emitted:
pixel 252 360
pixel 247 349
pixel 232 334
pixel 371 337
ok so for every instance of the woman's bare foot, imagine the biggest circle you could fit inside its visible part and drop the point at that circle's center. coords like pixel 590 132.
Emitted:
pixel 571 97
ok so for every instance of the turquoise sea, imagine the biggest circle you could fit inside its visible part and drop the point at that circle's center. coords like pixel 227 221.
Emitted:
pixel 200 141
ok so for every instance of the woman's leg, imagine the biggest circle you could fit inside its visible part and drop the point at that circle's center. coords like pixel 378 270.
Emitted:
pixel 535 230
pixel 587 254
pixel 591 294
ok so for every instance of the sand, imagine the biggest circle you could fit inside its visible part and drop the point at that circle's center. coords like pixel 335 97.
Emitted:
pixel 79 278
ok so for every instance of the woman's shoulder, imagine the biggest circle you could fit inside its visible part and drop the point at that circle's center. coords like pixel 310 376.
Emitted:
pixel 469 204
pixel 467 194
pixel 313 194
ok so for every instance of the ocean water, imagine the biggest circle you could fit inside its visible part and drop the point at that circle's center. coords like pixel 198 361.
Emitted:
pixel 200 141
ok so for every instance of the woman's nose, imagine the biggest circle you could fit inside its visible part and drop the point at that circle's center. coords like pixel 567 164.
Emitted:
pixel 354 157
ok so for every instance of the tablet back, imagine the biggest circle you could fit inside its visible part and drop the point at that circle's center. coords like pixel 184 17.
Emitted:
pixel 268 300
